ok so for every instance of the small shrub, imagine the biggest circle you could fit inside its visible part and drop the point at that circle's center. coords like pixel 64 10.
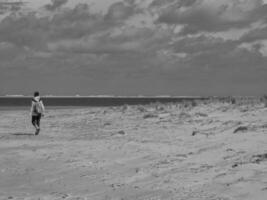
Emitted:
pixel 184 115
pixel 241 129
pixel 141 109
pixel 233 100
pixel 194 103
pixel 150 115
pixel 265 100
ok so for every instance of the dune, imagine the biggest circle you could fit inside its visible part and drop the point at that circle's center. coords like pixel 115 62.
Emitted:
pixel 209 150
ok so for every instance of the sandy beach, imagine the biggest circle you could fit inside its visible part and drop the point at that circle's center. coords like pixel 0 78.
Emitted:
pixel 208 151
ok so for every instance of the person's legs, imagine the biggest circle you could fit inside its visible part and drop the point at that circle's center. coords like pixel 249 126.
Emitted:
pixel 36 124
pixel 34 121
pixel 38 120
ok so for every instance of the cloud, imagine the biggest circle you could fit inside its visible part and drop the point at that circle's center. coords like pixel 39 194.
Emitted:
pixel 203 44
pixel 55 4
pixel 31 30
pixel 168 3
pixel 77 23
pixel 131 40
pixel 216 54
pixel 25 30
pixel 212 15
pixel 254 35
pixel 36 31
pixel 6 6
pixel 112 48
pixel 122 10
pixel 8 51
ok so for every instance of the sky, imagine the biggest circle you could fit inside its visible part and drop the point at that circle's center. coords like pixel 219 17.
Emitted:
pixel 133 47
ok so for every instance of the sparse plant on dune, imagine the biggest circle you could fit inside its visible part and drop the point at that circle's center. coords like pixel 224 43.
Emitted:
pixel 265 100
pixel 194 103
pixel 233 100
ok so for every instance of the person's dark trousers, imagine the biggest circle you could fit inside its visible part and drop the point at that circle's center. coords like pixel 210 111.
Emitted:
pixel 36 120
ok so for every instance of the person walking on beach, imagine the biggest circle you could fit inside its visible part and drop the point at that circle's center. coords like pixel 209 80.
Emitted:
pixel 37 111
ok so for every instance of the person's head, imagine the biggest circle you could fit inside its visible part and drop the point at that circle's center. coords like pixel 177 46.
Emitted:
pixel 36 94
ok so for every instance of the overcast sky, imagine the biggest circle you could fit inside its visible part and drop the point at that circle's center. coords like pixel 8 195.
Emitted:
pixel 133 47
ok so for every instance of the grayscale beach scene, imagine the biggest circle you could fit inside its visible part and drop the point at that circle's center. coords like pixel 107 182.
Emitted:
pixel 133 99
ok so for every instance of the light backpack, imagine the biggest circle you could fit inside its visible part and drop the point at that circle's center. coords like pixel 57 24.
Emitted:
pixel 37 107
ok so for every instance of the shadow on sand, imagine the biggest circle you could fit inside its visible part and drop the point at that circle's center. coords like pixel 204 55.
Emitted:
pixel 22 134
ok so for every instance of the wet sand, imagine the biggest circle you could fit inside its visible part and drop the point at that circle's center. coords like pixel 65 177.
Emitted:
pixel 211 151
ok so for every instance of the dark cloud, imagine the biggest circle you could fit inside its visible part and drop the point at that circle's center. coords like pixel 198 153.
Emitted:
pixel 167 3
pixel 76 23
pixel 254 35
pixel 36 32
pixel 211 15
pixel 24 30
pixel 6 6
pixel 204 44
pixel 55 4
pixel 122 10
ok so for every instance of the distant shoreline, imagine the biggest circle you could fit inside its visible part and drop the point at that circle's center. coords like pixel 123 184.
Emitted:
pixel 81 101
pixel 94 100
pixel 105 96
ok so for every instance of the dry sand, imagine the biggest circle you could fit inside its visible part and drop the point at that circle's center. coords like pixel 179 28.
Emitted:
pixel 214 151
